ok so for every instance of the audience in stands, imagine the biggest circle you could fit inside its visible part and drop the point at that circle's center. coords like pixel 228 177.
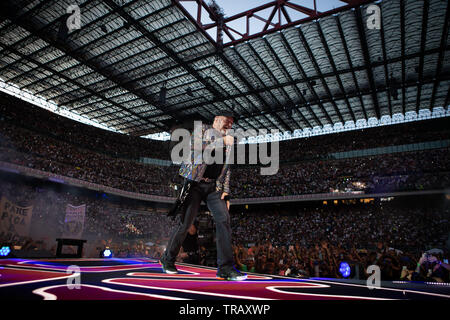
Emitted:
pixel 419 170
pixel 310 242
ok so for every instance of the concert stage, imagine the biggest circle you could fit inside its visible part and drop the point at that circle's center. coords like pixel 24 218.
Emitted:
pixel 142 279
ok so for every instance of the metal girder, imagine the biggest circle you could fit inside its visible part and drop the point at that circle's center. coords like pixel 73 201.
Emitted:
pixel 145 76
pixel 163 47
pixel 423 38
pixel 267 106
pixel 386 72
pixel 79 57
pixel 349 61
pixel 306 80
pixel 363 42
pixel 96 57
pixel 441 54
pixel 300 69
pixel 271 24
pixel 443 77
pixel 286 74
pixel 242 78
pixel 333 66
pixel 320 76
pixel 73 33
pixel 402 40
pixel 255 54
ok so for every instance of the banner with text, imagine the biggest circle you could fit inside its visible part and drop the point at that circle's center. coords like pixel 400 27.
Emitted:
pixel 74 222
pixel 14 221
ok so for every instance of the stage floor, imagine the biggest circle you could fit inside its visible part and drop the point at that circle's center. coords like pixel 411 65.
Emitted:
pixel 142 279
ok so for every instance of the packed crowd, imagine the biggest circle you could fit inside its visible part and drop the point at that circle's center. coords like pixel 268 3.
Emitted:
pixel 20 146
pixel 313 242
pixel 389 172
pixel 383 173
pixel 309 242
pixel 40 121
pixel 25 115
pixel 39 139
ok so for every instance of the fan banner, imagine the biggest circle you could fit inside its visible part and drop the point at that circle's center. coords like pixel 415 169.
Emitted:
pixel 74 221
pixel 14 220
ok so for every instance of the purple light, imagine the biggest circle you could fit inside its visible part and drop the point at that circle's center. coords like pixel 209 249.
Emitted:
pixel 56 180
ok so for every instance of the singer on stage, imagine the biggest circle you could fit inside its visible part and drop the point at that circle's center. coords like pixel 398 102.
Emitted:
pixel 210 183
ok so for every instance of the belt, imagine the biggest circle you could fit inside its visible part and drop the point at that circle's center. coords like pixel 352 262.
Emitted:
pixel 207 180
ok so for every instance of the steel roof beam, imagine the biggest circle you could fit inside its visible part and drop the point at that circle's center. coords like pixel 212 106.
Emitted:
pixel 441 54
pixel 319 76
pixel 279 6
pixel 304 79
pixel 386 72
pixel 333 66
pixel 322 79
pixel 402 39
pixel 65 48
pixel 423 39
pixel 363 41
pixel 163 47
pixel 75 83
pixel 349 61
pixel 267 105
pixel 353 69
pixel 427 80
pixel 232 68
pixel 443 77
pixel 146 76
pixel 287 75
pixel 72 33
pixel 96 57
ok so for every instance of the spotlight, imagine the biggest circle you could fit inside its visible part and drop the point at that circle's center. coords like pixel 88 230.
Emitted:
pixel 4 251
pixel 107 253
pixel 344 269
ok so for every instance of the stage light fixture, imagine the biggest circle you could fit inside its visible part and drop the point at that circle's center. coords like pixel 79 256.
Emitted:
pixel 5 251
pixel 344 269
pixel 107 253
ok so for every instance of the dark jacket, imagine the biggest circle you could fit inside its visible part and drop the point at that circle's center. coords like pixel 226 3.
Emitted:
pixel 195 168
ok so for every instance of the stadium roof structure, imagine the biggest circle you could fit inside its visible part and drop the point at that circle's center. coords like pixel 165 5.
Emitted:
pixel 141 67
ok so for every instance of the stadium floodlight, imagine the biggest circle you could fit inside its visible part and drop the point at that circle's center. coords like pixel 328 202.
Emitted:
pixel 344 269
pixel 107 253
pixel 5 251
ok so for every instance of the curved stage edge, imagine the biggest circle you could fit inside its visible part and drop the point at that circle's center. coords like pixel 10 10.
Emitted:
pixel 143 279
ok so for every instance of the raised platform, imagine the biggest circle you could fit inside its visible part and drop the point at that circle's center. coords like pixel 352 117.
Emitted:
pixel 142 279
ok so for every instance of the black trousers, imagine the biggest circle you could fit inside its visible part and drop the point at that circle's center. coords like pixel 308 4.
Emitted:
pixel 207 192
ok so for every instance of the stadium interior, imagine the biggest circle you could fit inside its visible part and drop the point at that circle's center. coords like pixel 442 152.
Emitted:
pixel 359 109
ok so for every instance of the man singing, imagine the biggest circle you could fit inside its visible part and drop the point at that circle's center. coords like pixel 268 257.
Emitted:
pixel 210 183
